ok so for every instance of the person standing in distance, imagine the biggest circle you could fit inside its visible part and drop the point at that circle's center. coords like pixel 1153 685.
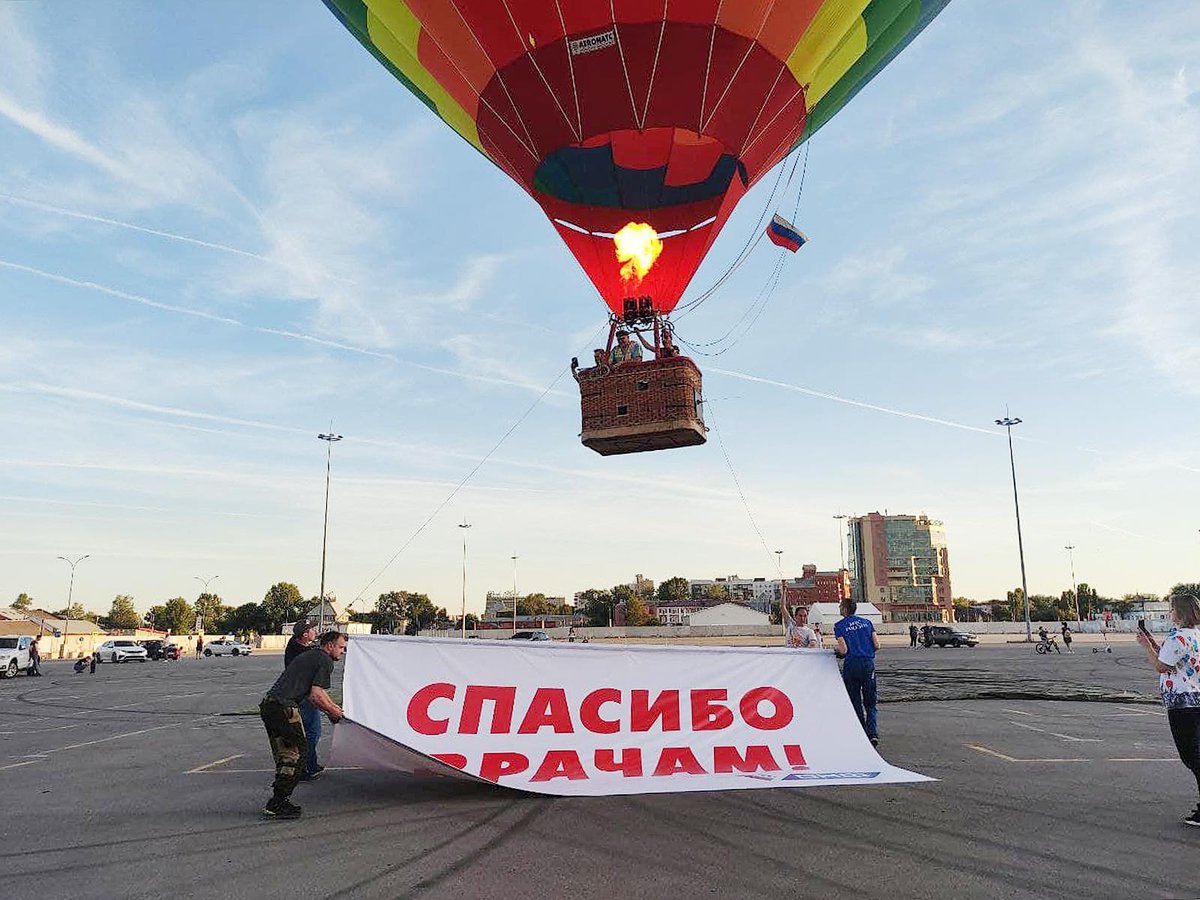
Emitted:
pixel 303 635
pixel 307 678
pixel 1177 661
pixel 856 644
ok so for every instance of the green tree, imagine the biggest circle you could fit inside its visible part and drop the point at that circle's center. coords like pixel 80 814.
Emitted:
pixel 123 615
pixel 249 617
pixel 1181 588
pixel 636 611
pixel 211 611
pixel 597 605
pixel 23 601
pixel 175 616
pixel 415 610
pixel 281 604
pixel 76 612
pixel 673 590
pixel 1016 605
pixel 716 592
pixel 1089 600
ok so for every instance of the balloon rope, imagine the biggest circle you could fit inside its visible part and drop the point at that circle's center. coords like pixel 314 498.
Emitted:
pixel 736 482
pixel 479 465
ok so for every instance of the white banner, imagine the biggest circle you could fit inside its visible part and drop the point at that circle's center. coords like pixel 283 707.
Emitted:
pixel 596 719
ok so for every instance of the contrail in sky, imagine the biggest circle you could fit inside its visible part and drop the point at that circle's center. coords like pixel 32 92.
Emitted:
pixel 291 335
pixel 74 214
pixel 904 414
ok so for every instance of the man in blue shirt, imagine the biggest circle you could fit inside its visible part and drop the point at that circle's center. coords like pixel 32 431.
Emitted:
pixel 856 644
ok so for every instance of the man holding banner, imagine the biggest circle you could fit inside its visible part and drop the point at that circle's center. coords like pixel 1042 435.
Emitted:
pixel 856 644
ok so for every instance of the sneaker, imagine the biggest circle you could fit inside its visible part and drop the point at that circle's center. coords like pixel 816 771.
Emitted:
pixel 1194 818
pixel 314 775
pixel 281 809
pixel 874 742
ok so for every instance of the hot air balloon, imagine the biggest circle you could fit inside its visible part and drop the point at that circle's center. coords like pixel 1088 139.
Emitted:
pixel 637 126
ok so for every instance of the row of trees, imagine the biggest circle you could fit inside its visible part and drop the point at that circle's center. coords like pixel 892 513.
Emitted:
pixel 600 605
pixel 1048 608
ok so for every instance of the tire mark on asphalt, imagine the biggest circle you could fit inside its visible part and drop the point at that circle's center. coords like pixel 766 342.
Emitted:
pixel 465 861
pixel 422 854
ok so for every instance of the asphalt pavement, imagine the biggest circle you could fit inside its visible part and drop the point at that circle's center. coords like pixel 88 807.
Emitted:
pixel 145 780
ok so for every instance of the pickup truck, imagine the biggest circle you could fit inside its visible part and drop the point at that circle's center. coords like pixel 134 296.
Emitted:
pixel 14 655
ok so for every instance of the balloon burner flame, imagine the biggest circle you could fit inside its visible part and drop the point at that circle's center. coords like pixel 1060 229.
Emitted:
pixel 637 246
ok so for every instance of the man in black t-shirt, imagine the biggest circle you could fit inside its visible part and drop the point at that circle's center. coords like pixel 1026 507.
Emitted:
pixel 304 636
pixel 306 678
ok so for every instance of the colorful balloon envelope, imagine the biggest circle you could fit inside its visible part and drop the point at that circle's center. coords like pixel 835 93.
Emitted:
pixel 636 125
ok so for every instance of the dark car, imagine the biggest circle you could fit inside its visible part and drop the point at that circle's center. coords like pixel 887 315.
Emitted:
pixel 530 636
pixel 161 649
pixel 943 635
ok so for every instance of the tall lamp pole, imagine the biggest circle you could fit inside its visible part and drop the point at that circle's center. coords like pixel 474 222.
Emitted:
pixel 1008 424
pixel 1070 548
pixel 842 537
pixel 514 559
pixel 62 650
pixel 329 440
pixel 205 582
pixel 464 526
pixel 782 586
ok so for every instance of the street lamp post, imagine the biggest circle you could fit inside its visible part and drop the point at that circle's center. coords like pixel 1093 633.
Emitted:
pixel 205 582
pixel 842 538
pixel 464 526
pixel 62 650
pixel 782 586
pixel 514 559
pixel 329 440
pixel 1070 548
pixel 1008 424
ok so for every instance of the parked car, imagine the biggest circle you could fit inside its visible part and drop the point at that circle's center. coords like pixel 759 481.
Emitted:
pixel 226 645
pixel 529 636
pixel 157 649
pixel 941 635
pixel 14 655
pixel 121 650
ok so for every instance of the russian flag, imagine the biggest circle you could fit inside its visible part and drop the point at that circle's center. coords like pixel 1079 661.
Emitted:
pixel 784 234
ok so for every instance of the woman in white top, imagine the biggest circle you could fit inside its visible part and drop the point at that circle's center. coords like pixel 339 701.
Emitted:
pixel 1177 661
pixel 796 631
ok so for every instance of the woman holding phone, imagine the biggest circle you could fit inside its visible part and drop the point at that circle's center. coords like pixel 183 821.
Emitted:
pixel 1177 661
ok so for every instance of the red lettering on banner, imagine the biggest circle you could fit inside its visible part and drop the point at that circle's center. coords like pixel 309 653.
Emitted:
pixel 758 756
pixel 589 711
pixel 707 714
pixel 629 765
pixel 548 708
pixel 418 708
pixel 451 759
pixel 643 714
pixel 795 756
pixel 677 761
pixel 777 698
pixel 560 764
pixel 497 765
pixel 501 698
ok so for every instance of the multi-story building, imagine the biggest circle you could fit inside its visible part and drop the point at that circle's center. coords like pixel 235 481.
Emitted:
pixel 816 587
pixel 901 564
pixel 757 593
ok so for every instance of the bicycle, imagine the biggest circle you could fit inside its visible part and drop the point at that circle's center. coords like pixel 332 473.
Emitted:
pixel 1046 645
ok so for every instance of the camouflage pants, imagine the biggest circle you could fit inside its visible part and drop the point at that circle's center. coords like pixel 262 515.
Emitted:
pixel 289 746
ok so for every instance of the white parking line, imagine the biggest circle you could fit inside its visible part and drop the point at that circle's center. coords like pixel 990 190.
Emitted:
pixel 206 766
pixel 1065 737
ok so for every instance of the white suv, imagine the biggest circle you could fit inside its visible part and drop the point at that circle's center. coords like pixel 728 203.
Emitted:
pixel 121 650
pixel 226 645
pixel 14 655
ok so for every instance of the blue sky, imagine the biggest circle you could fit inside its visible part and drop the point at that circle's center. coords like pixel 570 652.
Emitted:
pixel 223 226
